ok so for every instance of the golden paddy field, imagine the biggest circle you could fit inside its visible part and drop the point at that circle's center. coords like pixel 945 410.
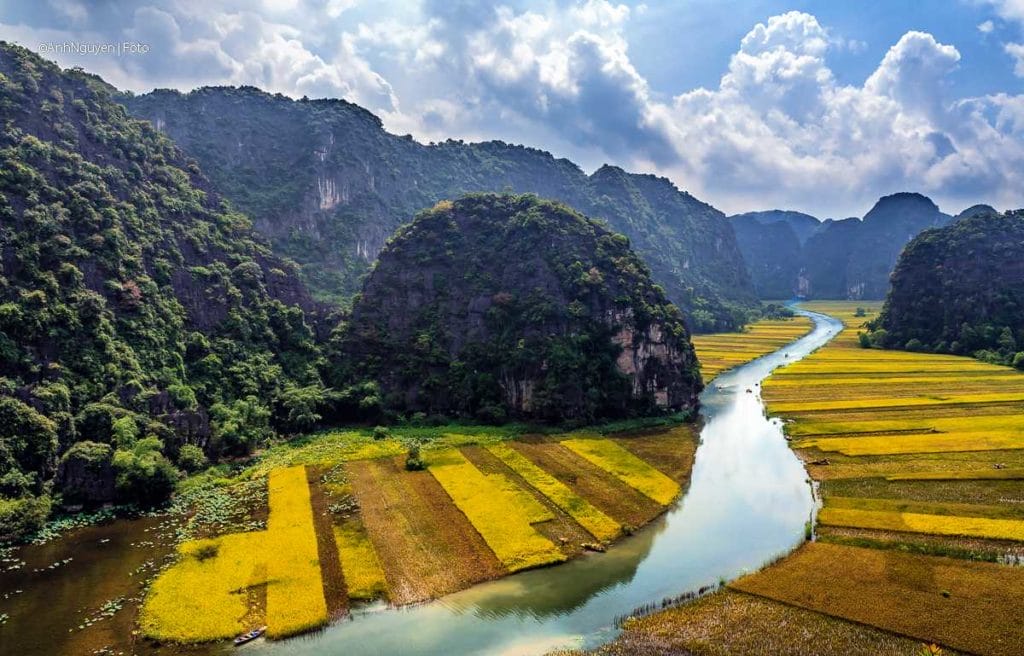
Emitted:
pixel 721 351
pixel 919 460
pixel 347 523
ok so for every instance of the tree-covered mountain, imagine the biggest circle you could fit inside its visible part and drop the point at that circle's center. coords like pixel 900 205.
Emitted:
pixel 327 185
pixel 852 258
pixel 772 246
pixel 505 306
pixel 960 289
pixel 141 321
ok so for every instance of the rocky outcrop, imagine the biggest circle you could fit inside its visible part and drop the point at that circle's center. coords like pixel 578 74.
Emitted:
pixel 86 474
pixel 960 289
pixel 501 306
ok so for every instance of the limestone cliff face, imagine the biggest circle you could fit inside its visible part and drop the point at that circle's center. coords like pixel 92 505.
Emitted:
pixel 500 306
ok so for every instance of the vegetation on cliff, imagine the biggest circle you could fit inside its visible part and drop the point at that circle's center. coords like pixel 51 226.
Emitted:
pixel 327 185
pixel 960 290
pixel 498 306
pixel 138 312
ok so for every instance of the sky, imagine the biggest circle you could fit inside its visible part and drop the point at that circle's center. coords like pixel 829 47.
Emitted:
pixel 820 106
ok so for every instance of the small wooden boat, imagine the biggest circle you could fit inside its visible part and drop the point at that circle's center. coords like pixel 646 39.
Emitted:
pixel 250 636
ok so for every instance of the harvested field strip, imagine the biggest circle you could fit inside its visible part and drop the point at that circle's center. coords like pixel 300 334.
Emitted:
pixel 670 452
pixel 966 605
pixel 295 596
pixel 586 515
pixel 608 494
pixel 975 475
pixel 956 399
pixel 364 576
pixel 331 576
pixel 941 420
pixel 426 547
pixel 980 527
pixel 914 443
pixel 926 507
pixel 562 530
pixel 500 511
pixel 203 595
pixel 842 467
pixel 728 623
pixel 628 468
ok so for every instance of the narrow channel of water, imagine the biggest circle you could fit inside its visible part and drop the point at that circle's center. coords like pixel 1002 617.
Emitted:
pixel 747 503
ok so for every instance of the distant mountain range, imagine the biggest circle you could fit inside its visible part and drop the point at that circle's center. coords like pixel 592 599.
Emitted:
pixel 327 185
pixel 789 253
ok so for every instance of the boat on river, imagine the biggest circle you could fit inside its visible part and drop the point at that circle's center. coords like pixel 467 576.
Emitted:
pixel 250 636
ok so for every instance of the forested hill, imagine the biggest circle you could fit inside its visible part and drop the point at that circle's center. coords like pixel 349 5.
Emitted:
pixel 327 185
pixel 960 289
pixel 791 253
pixel 140 318
pixel 505 306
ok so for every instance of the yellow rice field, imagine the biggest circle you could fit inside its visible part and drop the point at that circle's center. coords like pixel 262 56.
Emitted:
pixel 205 595
pixel 598 524
pixel 222 586
pixel 981 527
pixel 906 419
pixel 503 513
pixel 364 577
pixel 295 596
pixel 721 351
pixel 625 466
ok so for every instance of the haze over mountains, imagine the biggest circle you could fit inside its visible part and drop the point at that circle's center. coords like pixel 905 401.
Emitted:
pixel 790 253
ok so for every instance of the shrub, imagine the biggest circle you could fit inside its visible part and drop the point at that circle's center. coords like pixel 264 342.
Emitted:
pixel 143 474
pixel 1018 361
pixel 380 433
pixel 413 459
pixel 191 458
pixel 20 518
pixel 865 341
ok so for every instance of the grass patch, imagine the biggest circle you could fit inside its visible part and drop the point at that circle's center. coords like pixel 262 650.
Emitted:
pixel 586 515
pixel 975 475
pixel 500 511
pixel 627 467
pixel 203 596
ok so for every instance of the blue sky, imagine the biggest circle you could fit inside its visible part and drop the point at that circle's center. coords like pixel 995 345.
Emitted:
pixel 819 106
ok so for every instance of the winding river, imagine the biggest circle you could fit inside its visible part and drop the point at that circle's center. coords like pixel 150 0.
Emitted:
pixel 748 502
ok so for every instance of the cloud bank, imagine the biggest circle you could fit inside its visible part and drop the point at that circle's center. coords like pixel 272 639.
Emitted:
pixel 778 130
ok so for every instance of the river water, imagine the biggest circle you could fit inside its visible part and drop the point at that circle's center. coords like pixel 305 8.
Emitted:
pixel 748 502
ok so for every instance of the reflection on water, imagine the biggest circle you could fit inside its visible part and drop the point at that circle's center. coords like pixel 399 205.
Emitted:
pixel 747 503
